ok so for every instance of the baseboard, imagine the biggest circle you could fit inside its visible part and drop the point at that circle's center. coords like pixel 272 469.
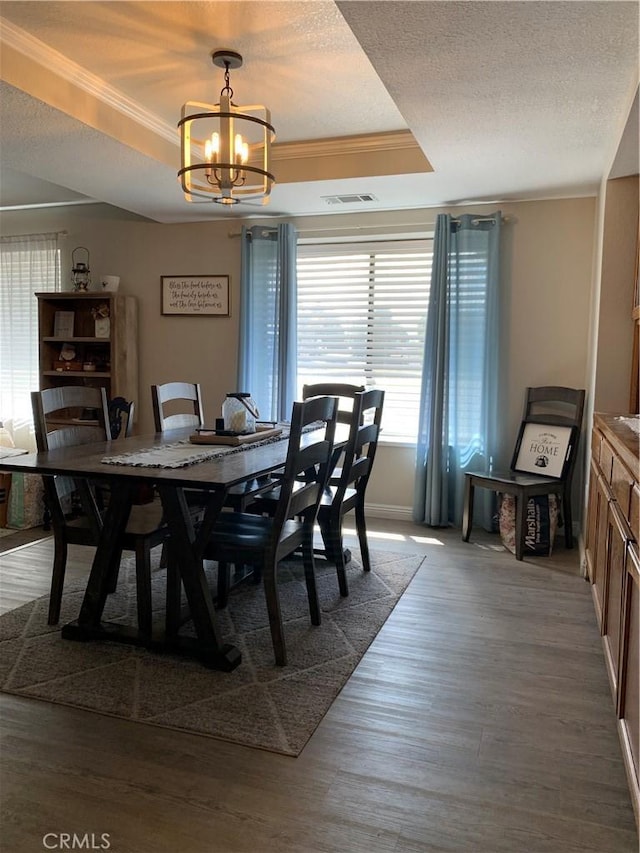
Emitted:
pixel 390 511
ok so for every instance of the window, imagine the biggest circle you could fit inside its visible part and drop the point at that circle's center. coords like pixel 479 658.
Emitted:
pixel 361 319
pixel 28 264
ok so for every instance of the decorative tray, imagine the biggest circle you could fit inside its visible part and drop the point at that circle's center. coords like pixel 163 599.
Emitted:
pixel 213 437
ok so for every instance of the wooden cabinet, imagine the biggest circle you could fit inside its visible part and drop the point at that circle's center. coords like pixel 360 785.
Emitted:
pixel 104 354
pixel 613 567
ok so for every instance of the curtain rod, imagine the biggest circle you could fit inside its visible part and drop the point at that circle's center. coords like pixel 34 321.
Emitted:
pixel 352 228
pixel 39 236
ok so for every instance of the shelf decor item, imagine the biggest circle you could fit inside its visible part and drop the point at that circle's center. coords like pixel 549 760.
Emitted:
pixel 102 320
pixel 67 360
pixel 63 324
pixel 80 274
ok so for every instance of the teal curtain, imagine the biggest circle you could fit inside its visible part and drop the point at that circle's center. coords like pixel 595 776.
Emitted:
pixel 458 427
pixel 267 356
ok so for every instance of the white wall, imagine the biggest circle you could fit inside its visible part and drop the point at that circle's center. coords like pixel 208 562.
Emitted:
pixel 547 259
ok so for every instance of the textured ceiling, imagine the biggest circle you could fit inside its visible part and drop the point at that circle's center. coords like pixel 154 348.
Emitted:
pixel 505 100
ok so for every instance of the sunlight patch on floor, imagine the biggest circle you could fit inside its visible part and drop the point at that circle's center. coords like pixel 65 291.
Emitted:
pixel 395 537
pixel 373 534
pixel 484 547
pixel 426 540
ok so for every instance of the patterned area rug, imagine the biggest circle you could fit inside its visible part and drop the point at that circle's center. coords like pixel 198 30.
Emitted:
pixel 10 538
pixel 259 704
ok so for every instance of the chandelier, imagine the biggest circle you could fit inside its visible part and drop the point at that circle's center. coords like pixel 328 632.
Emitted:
pixel 226 148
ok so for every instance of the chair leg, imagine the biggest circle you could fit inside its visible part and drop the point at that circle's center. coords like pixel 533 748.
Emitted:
pixel 310 579
pixel 57 580
pixel 521 530
pixel 361 528
pixel 112 583
pixel 275 615
pixel 331 531
pixel 568 522
pixel 467 509
pixel 143 586
pixel 174 596
pixel 224 583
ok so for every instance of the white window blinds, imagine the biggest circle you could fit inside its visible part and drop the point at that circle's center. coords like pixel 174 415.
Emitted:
pixel 28 264
pixel 361 319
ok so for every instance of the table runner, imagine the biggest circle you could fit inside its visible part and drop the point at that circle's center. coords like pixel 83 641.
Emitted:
pixel 182 454
pixel 632 422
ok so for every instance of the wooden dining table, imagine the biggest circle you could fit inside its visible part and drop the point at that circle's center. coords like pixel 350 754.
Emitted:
pixel 212 477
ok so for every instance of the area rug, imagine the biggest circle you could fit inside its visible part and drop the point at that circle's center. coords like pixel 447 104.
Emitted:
pixel 10 538
pixel 258 704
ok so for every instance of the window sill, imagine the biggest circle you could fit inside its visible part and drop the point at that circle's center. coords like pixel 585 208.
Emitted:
pixel 397 442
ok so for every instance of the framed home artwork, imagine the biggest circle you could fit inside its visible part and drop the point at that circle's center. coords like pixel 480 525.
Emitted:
pixel 543 449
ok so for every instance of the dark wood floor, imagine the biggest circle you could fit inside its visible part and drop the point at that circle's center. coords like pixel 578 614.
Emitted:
pixel 479 721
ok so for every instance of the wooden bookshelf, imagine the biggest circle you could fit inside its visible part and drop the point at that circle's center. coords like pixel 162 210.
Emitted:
pixel 110 362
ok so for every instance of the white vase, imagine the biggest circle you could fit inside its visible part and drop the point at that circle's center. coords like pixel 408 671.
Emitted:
pixel 110 283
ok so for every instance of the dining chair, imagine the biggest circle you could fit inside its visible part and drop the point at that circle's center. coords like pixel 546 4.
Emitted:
pixel 121 418
pixel 346 492
pixel 345 394
pixel 75 514
pixel 177 405
pixel 347 485
pixel 121 414
pixel 263 541
pixel 342 390
pixel 560 409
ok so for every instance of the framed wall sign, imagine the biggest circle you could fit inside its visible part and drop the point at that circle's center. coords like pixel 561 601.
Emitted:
pixel 206 295
pixel 543 449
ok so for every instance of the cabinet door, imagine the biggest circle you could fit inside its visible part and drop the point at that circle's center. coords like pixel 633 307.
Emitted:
pixel 619 539
pixel 593 509
pixel 629 685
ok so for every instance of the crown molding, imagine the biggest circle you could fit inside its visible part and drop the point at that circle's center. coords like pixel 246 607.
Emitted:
pixel 394 140
pixel 59 64
pixel 56 63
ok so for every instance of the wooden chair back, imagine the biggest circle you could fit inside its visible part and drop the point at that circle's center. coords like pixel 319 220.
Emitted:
pixel 307 466
pixel 177 405
pixel 343 391
pixel 55 415
pixel 554 404
pixel 77 409
pixel 121 417
pixel 360 451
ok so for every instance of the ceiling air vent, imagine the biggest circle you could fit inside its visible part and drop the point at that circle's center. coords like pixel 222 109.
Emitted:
pixel 356 198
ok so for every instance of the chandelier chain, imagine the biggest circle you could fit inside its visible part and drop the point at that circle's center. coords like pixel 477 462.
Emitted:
pixel 227 81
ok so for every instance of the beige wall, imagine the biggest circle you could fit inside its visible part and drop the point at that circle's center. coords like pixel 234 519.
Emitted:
pixel 547 258
pixel 615 325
